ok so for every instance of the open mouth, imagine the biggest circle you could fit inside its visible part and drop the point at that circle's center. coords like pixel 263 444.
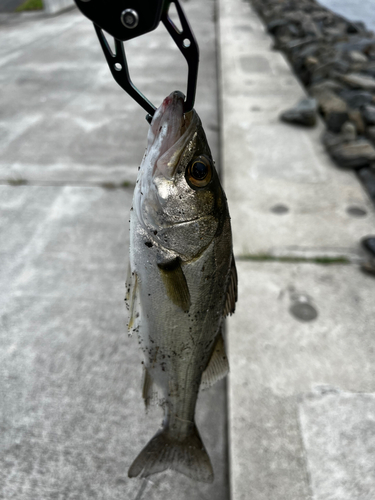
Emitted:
pixel 169 132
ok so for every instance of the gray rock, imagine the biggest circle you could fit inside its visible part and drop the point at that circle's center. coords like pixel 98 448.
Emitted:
pixel 358 81
pixel 368 266
pixel 273 25
pixel 370 132
pixel 349 131
pixel 353 154
pixel 369 244
pixel 335 120
pixel 356 98
pixel 355 43
pixel 367 176
pixel 331 85
pixel 356 117
pixel 334 108
pixel 331 140
pixel 304 113
pixel 368 114
pixel 356 27
pixel 357 56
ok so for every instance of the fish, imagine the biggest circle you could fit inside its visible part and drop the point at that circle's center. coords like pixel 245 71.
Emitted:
pixel 181 284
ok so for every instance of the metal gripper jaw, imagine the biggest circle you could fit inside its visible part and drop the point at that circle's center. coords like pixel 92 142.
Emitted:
pixel 126 19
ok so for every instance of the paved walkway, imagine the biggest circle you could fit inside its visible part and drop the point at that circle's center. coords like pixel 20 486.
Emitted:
pixel 72 417
pixel 301 406
pixel 301 344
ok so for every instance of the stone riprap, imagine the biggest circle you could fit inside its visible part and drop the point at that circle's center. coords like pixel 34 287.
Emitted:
pixel 335 60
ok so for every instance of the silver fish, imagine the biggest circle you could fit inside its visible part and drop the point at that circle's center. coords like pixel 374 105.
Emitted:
pixel 182 282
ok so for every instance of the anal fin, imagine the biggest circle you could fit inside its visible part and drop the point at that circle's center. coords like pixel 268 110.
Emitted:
pixel 218 366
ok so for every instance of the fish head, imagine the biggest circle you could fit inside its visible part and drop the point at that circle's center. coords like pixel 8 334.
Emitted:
pixel 178 195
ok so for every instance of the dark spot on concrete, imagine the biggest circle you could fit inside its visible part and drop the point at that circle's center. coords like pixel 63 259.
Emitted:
pixel 121 480
pixel 356 211
pixel 303 311
pixel 148 244
pixel 279 209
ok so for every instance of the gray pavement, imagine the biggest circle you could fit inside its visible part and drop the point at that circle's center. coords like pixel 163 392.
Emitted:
pixel 71 414
pixel 298 326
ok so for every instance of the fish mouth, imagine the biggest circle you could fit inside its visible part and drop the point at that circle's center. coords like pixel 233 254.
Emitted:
pixel 169 132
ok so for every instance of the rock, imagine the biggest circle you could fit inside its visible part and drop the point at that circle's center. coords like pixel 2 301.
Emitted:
pixel 331 140
pixel 333 108
pixel 331 85
pixel 333 33
pixel 309 28
pixel 368 266
pixel 356 27
pixel 368 244
pixel 276 23
pixel 368 114
pixel 354 154
pixel 367 176
pixel 355 43
pixel 311 62
pixel 370 132
pixel 356 117
pixel 358 81
pixel 309 50
pixel 357 56
pixel 304 113
pixel 349 131
pixel 356 98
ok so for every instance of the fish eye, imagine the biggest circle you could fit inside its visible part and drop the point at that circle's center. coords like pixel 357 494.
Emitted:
pixel 199 172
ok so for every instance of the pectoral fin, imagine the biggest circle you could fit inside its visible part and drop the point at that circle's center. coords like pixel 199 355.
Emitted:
pixel 218 366
pixel 175 282
pixel 231 298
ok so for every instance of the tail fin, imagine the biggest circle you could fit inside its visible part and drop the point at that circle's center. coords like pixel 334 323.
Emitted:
pixel 165 452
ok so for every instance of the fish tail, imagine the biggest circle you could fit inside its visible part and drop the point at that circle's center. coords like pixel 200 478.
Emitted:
pixel 163 451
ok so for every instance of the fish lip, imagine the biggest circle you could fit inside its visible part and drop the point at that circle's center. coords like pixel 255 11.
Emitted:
pixel 172 99
pixel 168 134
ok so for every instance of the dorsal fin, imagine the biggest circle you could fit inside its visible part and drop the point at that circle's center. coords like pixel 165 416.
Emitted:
pixel 175 282
pixel 218 366
pixel 231 298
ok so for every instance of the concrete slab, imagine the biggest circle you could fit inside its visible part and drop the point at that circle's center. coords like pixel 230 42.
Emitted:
pixel 269 163
pixel 71 412
pixel 338 431
pixel 296 326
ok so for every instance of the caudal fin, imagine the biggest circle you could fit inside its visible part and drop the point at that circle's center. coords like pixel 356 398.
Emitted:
pixel 164 452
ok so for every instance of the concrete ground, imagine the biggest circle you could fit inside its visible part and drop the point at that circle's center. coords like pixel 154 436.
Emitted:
pixel 301 407
pixel 301 343
pixel 72 417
